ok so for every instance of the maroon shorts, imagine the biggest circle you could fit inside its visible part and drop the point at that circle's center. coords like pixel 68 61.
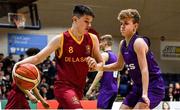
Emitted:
pixel 68 97
pixel 17 100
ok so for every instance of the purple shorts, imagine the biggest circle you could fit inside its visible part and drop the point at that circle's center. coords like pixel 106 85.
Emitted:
pixel 155 94
pixel 105 100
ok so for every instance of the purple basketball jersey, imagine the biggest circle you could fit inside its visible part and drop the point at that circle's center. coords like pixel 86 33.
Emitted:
pixel 132 65
pixel 108 86
pixel 156 85
pixel 108 81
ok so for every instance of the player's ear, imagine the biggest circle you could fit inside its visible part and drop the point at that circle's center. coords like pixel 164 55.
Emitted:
pixel 136 25
pixel 74 18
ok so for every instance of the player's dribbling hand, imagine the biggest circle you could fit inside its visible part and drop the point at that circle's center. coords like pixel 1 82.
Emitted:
pixel 15 67
pixel 91 63
pixel 146 99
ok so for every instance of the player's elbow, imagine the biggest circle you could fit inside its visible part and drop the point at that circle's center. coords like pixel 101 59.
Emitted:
pixel 144 71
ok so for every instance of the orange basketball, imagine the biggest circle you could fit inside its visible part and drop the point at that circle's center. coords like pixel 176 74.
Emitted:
pixel 27 76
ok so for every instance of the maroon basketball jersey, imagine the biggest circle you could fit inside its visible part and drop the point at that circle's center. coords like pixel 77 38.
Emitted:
pixel 71 66
pixel 16 99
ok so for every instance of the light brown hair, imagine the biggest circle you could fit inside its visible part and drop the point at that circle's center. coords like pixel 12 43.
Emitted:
pixel 129 13
pixel 107 38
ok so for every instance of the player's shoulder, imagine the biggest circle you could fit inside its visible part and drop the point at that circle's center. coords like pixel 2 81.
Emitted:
pixel 58 36
pixel 93 36
pixel 140 40
pixel 57 40
pixel 121 43
pixel 140 43
pixel 105 56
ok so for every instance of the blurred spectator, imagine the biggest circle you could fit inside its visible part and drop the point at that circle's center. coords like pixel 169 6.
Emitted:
pixel 1 56
pixel 165 106
pixel 176 92
pixel 1 65
pixel 7 66
pixel 49 71
pixel 32 51
pixel 89 79
pixel 11 59
pixel 125 83
pixel 8 82
pixel 46 92
pixel 170 92
pixel 21 57
pixel 7 62
pixel 2 85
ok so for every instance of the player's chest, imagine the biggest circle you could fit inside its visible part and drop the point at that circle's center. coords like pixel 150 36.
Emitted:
pixel 74 49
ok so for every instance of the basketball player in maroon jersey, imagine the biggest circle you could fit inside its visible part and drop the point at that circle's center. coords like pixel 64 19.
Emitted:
pixel 17 98
pixel 76 51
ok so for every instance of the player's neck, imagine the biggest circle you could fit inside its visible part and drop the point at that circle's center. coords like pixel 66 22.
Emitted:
pixel 107 48
pixel 128 38
pixel 76 34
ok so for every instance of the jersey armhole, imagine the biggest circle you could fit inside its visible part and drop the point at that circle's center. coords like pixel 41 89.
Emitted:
pixel 60 50
pixel 92 43
pixel 122 44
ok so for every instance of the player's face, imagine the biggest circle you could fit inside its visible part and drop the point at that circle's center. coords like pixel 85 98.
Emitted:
pixel 102 44
pixel 84 23
pixel 127 27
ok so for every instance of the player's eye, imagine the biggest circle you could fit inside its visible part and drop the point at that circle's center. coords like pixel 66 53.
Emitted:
pixel 87 22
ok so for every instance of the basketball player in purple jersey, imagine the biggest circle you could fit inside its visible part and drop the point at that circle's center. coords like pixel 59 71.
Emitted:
pixel 108 81
pixel 148 87
pixel 76 52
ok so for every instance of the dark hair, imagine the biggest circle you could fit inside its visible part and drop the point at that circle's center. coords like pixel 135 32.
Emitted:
pixel 1 54
pixel 32 51
pixel 81 10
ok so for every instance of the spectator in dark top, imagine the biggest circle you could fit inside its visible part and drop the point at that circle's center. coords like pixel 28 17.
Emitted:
pixel 21 57
pixel 176 92
pixel 125 83
pixel 1 56
pixel 46 92
pixel 2 85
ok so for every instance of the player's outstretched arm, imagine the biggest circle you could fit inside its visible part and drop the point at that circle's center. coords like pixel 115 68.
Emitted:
pixel 141 49
pixel 118 65
pixel 43 54
pixel 99 75
pixel 38 96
